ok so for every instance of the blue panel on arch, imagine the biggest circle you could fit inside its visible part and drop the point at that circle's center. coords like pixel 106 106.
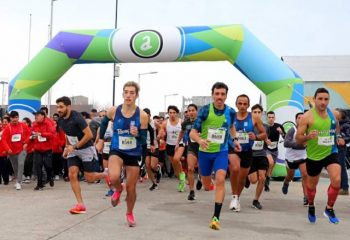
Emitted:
pixel 188 30
pixel 193 45
pixel 255 59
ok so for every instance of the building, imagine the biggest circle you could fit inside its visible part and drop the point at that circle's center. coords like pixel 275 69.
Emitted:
pixel 330 72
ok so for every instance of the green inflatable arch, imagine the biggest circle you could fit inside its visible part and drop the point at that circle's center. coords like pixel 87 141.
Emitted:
pixel 234 43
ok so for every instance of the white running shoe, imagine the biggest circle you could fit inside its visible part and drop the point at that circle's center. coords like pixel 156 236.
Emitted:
pixel 18 186
pixel 235 206
pixel 57 178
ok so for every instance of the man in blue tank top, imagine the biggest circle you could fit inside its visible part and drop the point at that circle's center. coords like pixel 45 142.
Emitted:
pixel 129 133
pixel 240 162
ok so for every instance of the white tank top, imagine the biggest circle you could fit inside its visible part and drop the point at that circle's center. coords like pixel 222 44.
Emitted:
pixel 172 132
pixel 295 154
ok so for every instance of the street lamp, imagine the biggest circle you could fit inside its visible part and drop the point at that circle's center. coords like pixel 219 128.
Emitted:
pixel 3 83
pixel 116 68
pixel 50 37
pixel 139 82
pixel 168 95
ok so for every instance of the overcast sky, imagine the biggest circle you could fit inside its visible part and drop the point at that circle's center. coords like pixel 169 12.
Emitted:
pixel 288 28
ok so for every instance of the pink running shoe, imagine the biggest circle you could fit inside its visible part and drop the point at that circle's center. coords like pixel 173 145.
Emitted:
pixel 78 209
pixel 115 199
pixel 130 219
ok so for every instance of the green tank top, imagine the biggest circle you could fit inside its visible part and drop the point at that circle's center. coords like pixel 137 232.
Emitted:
pixel 324 145
pixel 213 130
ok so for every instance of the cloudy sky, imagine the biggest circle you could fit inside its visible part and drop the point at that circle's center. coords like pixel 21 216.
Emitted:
pixel 288 28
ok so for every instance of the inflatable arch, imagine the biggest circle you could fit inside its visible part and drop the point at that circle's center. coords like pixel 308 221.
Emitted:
pixel 284 89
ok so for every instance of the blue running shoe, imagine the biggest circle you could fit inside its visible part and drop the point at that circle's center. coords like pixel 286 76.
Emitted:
pixel 109 193
pixel 285 188
pixel 311 214
pixel 329 213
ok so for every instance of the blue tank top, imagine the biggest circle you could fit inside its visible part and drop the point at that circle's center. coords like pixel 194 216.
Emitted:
pixel 122 140
pixel 243 127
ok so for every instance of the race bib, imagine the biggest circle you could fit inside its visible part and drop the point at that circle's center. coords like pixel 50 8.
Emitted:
pixel 127 143
pixel 73 140
pixel 106 147
pixel 16 138
pixel 258 145
pixel 216 135
pixel 42 139
pixel 326 141
pixel 174 136
pixel 242 137
pixel 273 145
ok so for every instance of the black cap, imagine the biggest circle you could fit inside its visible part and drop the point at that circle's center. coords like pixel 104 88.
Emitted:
pixel 13 114
pixel 41 112
pixel 146 110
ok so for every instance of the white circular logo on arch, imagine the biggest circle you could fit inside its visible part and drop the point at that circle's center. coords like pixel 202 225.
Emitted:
pixel 147 45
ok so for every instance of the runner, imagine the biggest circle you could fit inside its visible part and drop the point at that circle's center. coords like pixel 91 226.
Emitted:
pixel 192 147
pixel 42 134
pixel 215 123
pixel 240 162
pixel 129 133
pixel 295 158
pixel 79 150
pixel 15 139
pixel 175 149
pixel 152 163
pixel 319 129
pixel 260 164
pixel 275 131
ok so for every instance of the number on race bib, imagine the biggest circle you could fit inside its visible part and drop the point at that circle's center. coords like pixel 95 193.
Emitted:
pixel 16 138
pixel 127 143
pixel 326 141
pixel 41 139
pixel 242 137
pixel 273 145
pixel 258 145
pixel 216 135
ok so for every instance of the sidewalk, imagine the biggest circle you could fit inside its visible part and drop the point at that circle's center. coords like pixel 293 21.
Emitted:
pixel 165 214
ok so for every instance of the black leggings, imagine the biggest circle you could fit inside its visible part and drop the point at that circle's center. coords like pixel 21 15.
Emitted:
pixel 4 171
pixel 57 163
pixel 43 159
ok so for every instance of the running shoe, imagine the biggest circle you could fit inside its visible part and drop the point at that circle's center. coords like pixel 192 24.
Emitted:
pixel 343 192
pixel 305 202
pixel 52 182
pixel 311 214
pixel 182 182
pixel 256 204
pixel 212 186
pixel 234 204
pixel 130 220
pixel 18 186
pixel 153 187
pixel 115 199
pixel 191 196
pixel 78 209
pixel 285 188
pixel 38 188
pixel 181 186
pixel 199 184
pixel 330 214
pixel 215 223
pixel 109 193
